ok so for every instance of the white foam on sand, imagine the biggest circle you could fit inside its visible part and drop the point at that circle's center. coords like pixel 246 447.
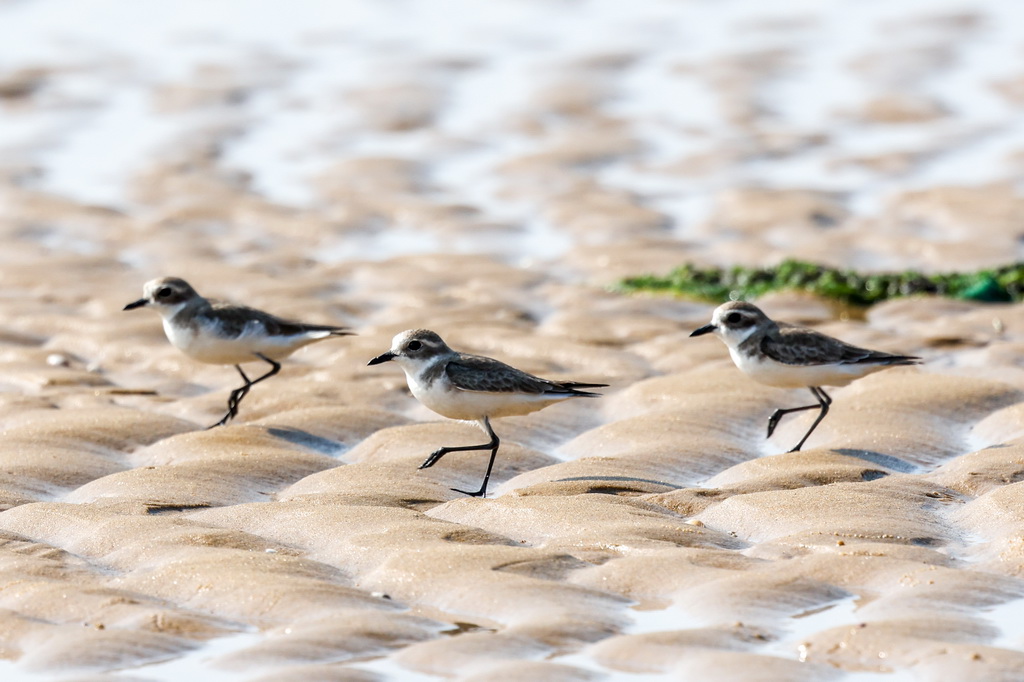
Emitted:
pixel 95 125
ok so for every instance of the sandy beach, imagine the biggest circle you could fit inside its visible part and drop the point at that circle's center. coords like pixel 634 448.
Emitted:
pixel 490 173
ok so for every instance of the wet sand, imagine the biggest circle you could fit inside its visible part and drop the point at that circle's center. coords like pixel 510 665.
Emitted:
pixel 653 534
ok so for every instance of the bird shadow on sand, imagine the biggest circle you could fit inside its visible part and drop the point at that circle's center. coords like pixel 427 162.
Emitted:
pixel 880 459
pixel 307 440
pixel 615 484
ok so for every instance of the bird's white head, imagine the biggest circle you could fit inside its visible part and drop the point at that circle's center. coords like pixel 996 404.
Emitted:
pixel 734 322
pixel 168 295
pixel 414 349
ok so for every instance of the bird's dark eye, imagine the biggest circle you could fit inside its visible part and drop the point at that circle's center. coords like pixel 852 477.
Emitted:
pixel 733 318
pixel 163 293
pixel 414 345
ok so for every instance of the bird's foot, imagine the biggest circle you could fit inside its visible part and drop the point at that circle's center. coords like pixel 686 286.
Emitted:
pixel 479 493
pixel 232 413
pixel 432 460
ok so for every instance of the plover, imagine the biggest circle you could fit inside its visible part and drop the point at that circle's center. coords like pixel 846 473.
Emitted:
pixel 787 356
pixel 472 388
pixel 224 334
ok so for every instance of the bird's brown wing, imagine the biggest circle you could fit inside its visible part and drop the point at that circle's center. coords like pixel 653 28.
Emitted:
pixel 477 373
pixel 234 318
pixel 799 346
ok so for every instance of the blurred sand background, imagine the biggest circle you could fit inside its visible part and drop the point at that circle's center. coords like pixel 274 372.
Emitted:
pixel 487 169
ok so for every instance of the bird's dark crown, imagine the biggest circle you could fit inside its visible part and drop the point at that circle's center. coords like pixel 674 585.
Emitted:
pixel 169 291
pixel 420 343
pixel 739 315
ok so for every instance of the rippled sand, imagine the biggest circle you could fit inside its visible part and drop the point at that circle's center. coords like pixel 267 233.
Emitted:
pixel 489 180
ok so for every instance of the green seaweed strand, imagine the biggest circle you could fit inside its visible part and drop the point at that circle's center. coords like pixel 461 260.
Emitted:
pixel 846 286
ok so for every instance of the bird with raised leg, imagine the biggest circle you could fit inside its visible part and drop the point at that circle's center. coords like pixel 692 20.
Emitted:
pixel 788 356
pixel 221 333
pixel 472 388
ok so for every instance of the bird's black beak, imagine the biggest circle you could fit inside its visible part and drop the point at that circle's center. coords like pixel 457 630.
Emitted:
pixel 135 304
pixel 706 329
pixel 383 357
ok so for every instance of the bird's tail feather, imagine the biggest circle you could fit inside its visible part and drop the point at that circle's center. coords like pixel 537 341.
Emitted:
pixel 571 388
pixel 903 360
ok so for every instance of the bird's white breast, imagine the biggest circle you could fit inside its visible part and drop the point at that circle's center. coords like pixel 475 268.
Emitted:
pixel 181 337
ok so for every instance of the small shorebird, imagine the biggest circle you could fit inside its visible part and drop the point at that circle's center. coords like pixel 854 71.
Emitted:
pixel 224 334
pixel 787 356
pixel 472 388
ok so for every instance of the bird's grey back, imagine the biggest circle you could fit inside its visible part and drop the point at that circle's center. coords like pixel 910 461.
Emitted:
pixel 478 373
pixel 234 320
pixel 800 346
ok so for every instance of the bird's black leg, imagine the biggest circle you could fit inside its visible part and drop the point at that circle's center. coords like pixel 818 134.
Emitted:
pixel 236 395
pixel 777 415
pixel 492 446
pixel 824 401
pixel 235 399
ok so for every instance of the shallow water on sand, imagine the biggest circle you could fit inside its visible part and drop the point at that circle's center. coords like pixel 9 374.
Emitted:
pixel 486 170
